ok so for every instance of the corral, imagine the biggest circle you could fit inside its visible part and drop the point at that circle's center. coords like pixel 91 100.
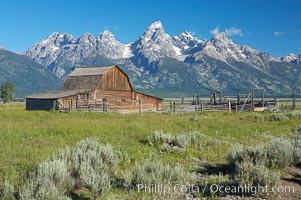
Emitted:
pixel 255 101
pixel 95 89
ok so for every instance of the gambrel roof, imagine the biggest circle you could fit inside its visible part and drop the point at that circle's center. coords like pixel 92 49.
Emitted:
pixel 90 71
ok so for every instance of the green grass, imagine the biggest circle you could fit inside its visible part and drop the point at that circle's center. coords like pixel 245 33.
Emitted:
pixel 28 137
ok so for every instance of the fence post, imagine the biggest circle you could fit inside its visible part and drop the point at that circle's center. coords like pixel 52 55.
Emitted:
pixel 69 103
pixel 193 101
pixel 140 106
pixel 229 106
pixel 252 99
pixel 294 97
pixel 104 107
pixel 76 102
pixel 174 106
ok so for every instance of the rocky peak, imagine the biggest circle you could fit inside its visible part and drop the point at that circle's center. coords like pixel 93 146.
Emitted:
pixel 87 38
pixel 292 58
pixel 108 46
pixel 156 25
pixel 187 43
pixel 59 39
pixel 154 43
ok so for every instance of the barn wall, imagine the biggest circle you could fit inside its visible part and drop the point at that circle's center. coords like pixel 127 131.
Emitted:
pixel 149 102
pixel 128 100
pixel 78 101
pixel 115 80
pixel 41 104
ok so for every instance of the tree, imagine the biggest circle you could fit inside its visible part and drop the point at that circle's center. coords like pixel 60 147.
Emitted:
pixel 7 92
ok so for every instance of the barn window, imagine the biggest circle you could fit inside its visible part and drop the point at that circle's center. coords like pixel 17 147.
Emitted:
pixel 123 100
pixel 104 99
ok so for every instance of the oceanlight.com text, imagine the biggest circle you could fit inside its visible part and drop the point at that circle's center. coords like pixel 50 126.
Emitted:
pixel 213 189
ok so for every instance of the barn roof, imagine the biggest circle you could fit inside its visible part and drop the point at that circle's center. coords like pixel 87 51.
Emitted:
pixel 82 82
pixel 89 71
pixel 57 94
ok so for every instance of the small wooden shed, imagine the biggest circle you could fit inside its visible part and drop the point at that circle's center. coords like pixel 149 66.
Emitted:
pixel 95 89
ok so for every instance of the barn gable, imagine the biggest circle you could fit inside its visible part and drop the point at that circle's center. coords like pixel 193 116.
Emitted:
pixel 115 80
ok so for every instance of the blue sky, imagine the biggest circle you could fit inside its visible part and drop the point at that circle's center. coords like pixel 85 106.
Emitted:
pixel 273 26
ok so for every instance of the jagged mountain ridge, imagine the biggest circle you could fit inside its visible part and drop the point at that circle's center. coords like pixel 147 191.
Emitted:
pixel 162 62
pixel 292 58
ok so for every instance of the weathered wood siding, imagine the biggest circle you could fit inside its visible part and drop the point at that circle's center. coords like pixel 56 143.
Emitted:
pixel 115 80
pixel 129 100
pixel 148 102
pixel 41 104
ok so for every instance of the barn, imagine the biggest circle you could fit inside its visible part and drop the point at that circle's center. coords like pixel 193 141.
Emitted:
pixel 95 89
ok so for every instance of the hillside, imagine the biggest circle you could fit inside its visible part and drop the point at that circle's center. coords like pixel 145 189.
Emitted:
pixel 28 76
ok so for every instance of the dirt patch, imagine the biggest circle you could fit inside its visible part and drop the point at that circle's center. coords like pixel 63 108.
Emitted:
pixel 292 179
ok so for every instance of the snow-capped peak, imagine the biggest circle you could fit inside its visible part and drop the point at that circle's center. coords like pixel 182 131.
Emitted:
pixel 111 48
pixel 155 25
pixel 155 43
pixel 87 38
pixel 59 39
pixel 292 58
pixel 187 43
pixel 187 34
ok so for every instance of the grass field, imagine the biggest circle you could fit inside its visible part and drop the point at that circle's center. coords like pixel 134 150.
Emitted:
pixel 27 138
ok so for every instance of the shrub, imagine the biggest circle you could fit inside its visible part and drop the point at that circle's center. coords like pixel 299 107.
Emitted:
pixel 168 143
pixel 235 154
pixel 294 115
pixel 7 191
pixel 250 174
pixel 51 180
pixel 238 154
pixel 252 165
pixel 155 172
pixel 280 153
pixel 276 117
pixel 92 163
pixel 86 167
pixel 194 138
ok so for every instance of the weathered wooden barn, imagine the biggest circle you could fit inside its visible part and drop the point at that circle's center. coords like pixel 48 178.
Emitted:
pixel 95 89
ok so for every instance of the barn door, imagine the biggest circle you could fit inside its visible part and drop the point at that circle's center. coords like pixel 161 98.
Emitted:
pixel 67 104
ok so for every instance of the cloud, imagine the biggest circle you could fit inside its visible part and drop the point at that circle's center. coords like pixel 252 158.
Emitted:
pixel 234 31
pixel 215 31
pixel 228 31
pixel 276 33
pixel 2 47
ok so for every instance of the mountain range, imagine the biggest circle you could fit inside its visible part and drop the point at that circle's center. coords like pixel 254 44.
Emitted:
pixel 162 64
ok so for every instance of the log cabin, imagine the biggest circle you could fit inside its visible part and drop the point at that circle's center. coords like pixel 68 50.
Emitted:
pixel 95 89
